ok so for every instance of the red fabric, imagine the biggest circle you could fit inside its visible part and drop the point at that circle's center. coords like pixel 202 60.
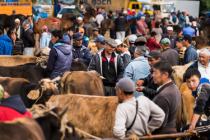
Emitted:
pixel 9 114
pixel 152 44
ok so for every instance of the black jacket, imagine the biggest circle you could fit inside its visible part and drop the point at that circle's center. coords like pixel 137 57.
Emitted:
pixel 120 24
pixel 203 100
pixel 150 88
pixel 28 38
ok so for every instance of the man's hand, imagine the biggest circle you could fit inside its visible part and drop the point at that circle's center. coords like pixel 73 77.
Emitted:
pixel 139 83
pixel 191 128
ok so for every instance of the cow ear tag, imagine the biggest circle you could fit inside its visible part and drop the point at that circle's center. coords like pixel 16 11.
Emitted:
pixel 33 94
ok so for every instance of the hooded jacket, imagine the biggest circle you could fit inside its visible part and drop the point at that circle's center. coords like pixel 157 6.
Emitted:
pixel 13 108
pixel 60 59
pixel 5 45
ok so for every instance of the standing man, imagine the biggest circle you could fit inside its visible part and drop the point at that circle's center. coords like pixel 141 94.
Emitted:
pixel 100 42
pixel 109 65
pixel 138 68
pixel 147 84
pixel 169 54
pixel 168 98
pixel 190 53
pixel 140 116
pixel 142 27
pixel 80 52
pixel 120 24
pixel 122 49
pixel 60 57
pixel 28 38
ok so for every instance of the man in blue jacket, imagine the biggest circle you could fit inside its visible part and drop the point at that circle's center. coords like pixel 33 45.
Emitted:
pixel 60 57
pixel 80 52
pixel 5 43
pixel 190 53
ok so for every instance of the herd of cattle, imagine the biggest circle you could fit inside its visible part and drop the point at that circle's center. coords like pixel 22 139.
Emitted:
pixel 76 99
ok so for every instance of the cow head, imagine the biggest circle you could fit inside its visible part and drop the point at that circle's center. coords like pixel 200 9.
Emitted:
pixel 53 124
pixel 44 90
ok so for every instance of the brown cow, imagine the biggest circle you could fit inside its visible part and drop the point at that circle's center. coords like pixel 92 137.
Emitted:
pixel 21 129
pixel 38 93
pixel 93 114
pixel 186 94
pixel 178 72
pixel 82 82
pixel 16 60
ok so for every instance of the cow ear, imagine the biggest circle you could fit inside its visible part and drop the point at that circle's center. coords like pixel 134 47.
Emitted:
pixel 33 94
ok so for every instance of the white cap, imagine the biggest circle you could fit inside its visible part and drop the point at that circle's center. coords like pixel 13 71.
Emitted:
pixel 79 18
pixel 169 28
pixel 17 20
pixel 132 38
pixel 118 41
pixel 125 12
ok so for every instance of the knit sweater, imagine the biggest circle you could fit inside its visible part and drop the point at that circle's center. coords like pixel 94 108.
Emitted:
pixel 149 117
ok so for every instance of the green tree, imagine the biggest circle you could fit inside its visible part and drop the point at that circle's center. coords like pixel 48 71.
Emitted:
pixel 204 5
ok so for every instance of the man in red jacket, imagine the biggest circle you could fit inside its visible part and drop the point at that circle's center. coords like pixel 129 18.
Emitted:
pixel 11 107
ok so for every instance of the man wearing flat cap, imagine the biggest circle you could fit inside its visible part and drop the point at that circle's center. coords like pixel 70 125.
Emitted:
pixel 80 52
pixel 140 116
pixel 169 54
pixel 109 65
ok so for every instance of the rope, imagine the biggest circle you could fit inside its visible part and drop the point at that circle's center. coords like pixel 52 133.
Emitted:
pixel 87 134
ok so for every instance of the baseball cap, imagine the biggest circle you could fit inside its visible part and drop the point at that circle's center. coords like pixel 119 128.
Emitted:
pixel 165 41
pixel 118 41
pixel 154 54
pixel 100 39
pixel 126 85
pixel 111 42
pixel 77 36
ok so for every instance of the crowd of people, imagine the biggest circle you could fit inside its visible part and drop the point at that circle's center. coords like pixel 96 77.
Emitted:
pixel 138 71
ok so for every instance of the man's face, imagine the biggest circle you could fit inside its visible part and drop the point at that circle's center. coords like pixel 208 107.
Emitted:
pixel 193 82
pixel 109 49
pixel 78 42
pixel 179 45
pixel 153 61
pixel 95 33
pixel 158 76
pixel 170 32
pixel 203 59
pixel 184 43
pixel 54 39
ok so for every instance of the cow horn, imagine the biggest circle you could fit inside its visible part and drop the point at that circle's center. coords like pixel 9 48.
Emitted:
pixel 56 79
pixel 62 112
pixel 102 77
pixel 33 94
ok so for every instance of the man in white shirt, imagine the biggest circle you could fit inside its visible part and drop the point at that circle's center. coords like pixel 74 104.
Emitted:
pixel 140 116
pixel 203 63
pixel 99 19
